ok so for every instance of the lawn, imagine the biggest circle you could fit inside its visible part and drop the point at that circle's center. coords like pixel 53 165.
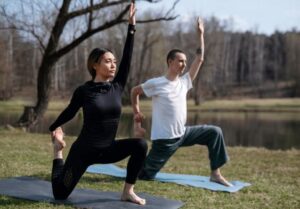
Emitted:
pixel 274 175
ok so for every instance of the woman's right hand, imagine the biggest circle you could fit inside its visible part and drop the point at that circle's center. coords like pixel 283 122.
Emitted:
pixel 58 133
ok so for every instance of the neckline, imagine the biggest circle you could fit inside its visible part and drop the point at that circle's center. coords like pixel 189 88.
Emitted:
pixel 172 81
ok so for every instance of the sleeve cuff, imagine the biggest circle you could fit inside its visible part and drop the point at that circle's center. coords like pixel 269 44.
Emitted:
pixel 131 29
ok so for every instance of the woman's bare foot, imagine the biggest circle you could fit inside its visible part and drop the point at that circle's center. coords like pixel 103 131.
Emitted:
pixel 220 180
pixel 132 197
pixel 58 140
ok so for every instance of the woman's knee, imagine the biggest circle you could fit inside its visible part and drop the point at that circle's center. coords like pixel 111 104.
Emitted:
pixel 60 194
pixel 60 197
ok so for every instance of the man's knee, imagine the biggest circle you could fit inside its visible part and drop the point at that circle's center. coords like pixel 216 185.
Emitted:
pixel 216 130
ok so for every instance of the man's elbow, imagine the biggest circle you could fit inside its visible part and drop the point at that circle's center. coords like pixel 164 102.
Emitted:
pixel 135 91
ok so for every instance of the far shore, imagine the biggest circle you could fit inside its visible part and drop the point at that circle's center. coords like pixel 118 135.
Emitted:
pixel 220 105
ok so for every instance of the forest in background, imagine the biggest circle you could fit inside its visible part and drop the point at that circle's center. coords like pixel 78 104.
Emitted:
pixel 236 64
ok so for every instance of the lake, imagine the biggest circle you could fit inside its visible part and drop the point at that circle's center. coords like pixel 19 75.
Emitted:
pixel 272 130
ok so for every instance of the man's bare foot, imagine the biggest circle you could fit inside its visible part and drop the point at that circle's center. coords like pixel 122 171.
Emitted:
pixel 132 197
pixel 58 139
pixel 220 180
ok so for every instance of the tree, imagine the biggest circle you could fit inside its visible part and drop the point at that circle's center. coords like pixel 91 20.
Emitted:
pixel 93 17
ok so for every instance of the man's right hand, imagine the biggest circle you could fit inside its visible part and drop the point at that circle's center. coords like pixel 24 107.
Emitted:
pixel 138 117
pixel 138 130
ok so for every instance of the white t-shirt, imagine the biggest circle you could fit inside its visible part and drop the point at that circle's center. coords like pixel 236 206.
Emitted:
pixel 169 107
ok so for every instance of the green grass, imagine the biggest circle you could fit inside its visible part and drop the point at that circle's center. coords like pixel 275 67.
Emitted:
pixel 274 174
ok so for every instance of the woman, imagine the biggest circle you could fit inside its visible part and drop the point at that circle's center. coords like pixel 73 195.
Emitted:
pixel 100 100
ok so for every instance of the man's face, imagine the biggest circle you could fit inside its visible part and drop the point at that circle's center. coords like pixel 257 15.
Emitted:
pixel 178 64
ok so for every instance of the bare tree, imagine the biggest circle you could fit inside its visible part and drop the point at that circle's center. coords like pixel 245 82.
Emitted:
pixel 94 16
pixel 6 76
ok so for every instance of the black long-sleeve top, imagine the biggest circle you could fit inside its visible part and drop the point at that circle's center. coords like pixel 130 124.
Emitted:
pixel 101 103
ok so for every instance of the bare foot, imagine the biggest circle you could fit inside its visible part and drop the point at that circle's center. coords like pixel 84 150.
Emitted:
pixel 58 139
pixel 220 180
pixel 132 197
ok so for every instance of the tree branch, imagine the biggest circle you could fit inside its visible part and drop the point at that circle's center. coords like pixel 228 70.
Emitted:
pixel 90 21
pixel 95 7
pixel 172 8
pixel 166 17
pixel 27 30
pixel 119 19
pixel 158 19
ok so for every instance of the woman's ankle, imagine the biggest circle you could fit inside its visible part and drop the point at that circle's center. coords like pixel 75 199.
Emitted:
pixel 57 154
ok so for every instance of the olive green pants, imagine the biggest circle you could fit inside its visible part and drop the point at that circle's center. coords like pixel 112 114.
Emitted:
pixel 163 149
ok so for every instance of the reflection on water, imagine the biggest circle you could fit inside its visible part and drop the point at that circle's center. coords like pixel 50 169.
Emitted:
pixel 269 130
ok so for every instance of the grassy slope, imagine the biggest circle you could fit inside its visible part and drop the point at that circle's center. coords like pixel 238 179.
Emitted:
pixel 274 174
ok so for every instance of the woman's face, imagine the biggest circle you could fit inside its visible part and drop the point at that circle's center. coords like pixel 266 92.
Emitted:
pixel 106 66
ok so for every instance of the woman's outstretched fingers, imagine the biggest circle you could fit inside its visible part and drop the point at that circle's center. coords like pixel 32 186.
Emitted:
pixel 200 24
pixel 132 12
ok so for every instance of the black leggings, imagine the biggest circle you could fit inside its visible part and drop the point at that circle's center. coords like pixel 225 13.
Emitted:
pixel 66 176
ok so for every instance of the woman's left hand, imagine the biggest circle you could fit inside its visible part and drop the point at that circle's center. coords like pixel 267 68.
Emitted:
pixel 132 13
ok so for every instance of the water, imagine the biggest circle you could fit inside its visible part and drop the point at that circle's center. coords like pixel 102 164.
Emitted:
pixel 252 129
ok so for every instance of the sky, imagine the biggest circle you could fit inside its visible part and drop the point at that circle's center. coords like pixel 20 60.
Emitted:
pixel 262 16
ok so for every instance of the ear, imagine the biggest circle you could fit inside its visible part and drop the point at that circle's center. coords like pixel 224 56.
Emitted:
pixel 169 61
pixel 95 65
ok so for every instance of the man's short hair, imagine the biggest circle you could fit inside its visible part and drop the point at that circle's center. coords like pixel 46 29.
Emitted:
pixel 172 54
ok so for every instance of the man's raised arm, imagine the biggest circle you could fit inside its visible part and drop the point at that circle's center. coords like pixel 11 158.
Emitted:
pixel 195 67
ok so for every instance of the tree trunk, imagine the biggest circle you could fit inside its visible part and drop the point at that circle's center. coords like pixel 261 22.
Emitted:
pixel 53 49
pixel 32 114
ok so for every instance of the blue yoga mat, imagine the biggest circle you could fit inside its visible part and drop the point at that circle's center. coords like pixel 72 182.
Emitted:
pixel 182 179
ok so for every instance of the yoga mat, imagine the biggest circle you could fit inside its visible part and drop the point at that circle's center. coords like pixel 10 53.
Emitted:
pixel 182 179
pixel 30 188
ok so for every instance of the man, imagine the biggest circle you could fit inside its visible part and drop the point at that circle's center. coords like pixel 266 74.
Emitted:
pixel 169 112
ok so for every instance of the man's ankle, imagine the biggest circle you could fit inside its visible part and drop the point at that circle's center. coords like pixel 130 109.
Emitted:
pixel 144 176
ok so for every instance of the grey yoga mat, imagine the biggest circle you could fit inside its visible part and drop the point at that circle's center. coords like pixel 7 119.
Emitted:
pixel 34 189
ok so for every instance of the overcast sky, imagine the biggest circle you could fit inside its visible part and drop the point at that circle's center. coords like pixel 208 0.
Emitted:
pixel 264 16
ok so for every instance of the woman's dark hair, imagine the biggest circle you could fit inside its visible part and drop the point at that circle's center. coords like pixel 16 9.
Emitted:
pixel 94 57
pixel 172 54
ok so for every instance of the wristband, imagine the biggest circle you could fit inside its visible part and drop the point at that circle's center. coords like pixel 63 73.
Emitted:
pixel 199 51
